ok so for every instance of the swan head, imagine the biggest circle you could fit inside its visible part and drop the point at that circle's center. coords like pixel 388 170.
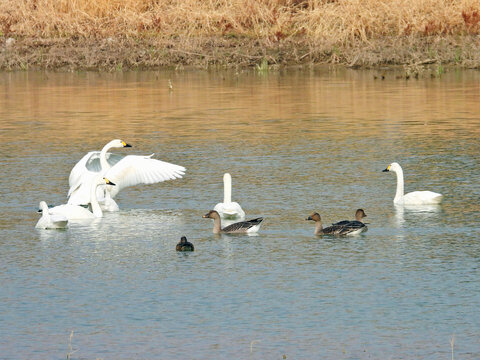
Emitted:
pixel 314 217
pixel 104 181
pixel 117 143
pixel 395 167
pixel 42 206
pixel 360 214
pixel 212 214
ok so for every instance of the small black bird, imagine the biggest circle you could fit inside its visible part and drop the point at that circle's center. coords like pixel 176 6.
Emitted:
pixel 184 245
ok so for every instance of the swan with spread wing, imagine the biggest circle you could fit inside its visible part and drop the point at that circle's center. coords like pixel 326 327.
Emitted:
pixel 127 171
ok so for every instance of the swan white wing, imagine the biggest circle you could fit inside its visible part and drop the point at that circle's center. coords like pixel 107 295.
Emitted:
pixel 422 198
pixel 134 170
pixel 231 210
pixel 79 170
pixel 86 170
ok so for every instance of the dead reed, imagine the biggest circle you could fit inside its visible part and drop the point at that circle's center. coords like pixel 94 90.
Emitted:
pixel 343 31
pixel 335 21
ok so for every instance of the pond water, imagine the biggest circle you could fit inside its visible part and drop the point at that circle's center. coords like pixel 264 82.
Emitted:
pixel 294 142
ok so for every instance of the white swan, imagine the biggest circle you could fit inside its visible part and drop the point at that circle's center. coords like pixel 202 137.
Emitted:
pixel 85 171
pixel 50 221
pixel 77 212
pixel 415 197
pixel 124 171
pixel 228 209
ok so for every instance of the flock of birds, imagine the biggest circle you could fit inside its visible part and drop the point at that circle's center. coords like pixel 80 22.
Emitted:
pixel 100 175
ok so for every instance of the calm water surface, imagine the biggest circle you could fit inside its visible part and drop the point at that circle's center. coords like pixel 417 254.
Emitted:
pixel 294 142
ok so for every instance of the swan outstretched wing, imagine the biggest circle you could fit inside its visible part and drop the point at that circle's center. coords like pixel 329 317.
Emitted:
pixel 134 170
pixel 87 168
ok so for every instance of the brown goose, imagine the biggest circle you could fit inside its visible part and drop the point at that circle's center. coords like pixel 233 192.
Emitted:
pixel 359 215
pixel 184 245
pixel 335 229
pixel 249 226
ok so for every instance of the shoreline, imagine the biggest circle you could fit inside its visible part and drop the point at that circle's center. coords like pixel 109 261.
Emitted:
pixel 117 53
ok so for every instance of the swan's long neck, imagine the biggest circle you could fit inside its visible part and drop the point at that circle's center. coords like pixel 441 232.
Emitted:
pixel 399 194
pixel 227 189
pixel 217 226
pixel 103 156
pixel 318 227
pixel 96 210
pixel 45 212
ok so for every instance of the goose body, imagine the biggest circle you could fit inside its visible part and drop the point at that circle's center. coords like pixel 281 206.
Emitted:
pixel 50 220
pixel 229 209
pixel 415 197
pixel 249 226
pixel 77 212
pixel 357 226
pixel 127 171
pixel 339 229
pixel 184 245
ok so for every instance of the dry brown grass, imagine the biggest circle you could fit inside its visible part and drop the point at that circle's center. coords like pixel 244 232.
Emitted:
pixel 308 29
pixel 335 21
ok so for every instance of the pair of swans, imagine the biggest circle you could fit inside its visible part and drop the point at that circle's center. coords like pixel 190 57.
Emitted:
pixel 124 171
pixel 59 216
pixel 415 197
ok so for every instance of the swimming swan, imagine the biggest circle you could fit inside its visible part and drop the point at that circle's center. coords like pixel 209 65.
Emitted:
pixel 124 171
pixel 228 209
pixel 249 226
pixel 415 197
pixel 77 212
pixel 50 221
pixel 339 229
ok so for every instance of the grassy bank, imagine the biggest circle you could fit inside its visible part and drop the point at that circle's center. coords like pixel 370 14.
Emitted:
pixel 114 34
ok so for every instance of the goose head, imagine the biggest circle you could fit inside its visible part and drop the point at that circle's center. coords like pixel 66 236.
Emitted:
pixel 212 214
pixel 395 167
pixel 314 217
pixel 360 214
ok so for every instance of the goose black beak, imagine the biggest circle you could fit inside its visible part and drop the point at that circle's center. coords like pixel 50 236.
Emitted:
pixel 205 216
pixel 309 218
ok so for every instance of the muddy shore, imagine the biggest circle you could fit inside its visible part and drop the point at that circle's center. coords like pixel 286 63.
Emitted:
pixel 114 54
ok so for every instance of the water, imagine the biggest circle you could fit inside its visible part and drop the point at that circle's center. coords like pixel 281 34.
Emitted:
pixel 294 142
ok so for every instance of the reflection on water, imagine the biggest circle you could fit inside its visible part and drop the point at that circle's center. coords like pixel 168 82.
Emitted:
pixel 295 142
pixel 417 212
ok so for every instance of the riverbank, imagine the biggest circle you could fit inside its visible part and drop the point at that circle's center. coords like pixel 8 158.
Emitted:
pixel 120 54
pixel 136 34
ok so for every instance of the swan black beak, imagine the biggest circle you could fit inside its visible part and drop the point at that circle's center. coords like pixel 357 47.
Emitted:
pixel 385 170
pixel 40 211
pixel 108 182
pixel 127 145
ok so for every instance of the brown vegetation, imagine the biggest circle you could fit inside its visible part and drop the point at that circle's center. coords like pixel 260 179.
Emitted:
pixel 218 31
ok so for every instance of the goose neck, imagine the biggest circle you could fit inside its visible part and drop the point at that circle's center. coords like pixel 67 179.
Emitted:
pixel 217 226
pixel 318 227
